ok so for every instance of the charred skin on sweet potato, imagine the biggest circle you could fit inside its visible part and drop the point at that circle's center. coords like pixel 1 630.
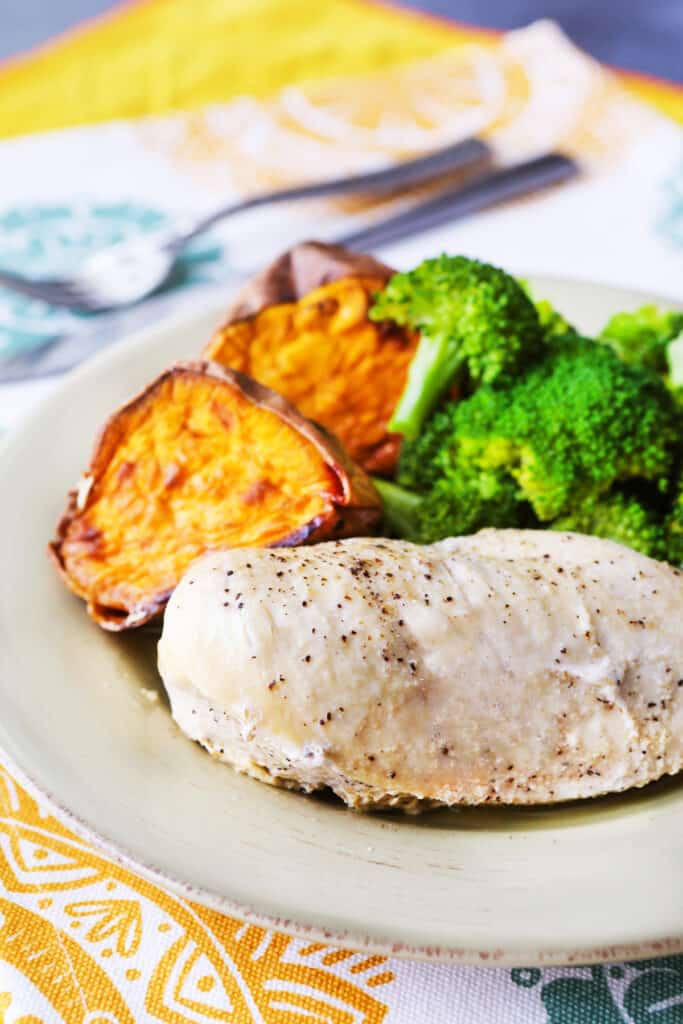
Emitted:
pixel 334 364
pixel 203 458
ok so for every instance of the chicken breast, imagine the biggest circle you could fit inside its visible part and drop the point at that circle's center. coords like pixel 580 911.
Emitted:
pixel 509 667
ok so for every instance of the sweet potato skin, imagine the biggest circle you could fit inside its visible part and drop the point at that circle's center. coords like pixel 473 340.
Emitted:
pixel 302 328
pixel 203 458
pixel 300 270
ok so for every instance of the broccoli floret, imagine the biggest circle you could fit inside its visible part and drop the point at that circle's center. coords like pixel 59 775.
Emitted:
pixel 552 429
pixel 553 323
pixel 462 503
pixel 674 529
pixel 424 460
pixel 574 424
pixel 457 504
pixel 473 319
pixel 641 338
pixel 623 517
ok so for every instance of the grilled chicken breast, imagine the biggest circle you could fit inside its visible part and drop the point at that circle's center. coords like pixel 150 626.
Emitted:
pixel 510 667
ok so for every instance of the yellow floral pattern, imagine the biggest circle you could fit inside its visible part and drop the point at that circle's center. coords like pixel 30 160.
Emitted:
pixel 101 946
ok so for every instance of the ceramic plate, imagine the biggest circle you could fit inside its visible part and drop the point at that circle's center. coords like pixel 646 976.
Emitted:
pixel 589 881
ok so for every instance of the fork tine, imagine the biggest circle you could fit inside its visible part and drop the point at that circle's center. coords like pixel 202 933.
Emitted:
pixel 79 299
pixel 55 291
pixel 48 290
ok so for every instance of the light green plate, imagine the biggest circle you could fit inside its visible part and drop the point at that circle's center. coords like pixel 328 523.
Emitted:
pixel 593 881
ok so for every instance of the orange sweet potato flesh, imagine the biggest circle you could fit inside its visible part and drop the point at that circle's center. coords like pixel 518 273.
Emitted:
pixel 204 458
pixel 320 350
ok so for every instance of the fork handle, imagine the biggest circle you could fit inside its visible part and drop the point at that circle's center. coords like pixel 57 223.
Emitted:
pixel 456 156
pixel 496 186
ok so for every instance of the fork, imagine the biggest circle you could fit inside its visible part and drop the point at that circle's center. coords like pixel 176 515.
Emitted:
pixel 128 272
pixel 491 187
pixel 62 352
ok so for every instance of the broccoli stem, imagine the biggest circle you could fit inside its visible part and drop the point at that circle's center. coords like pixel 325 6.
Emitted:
pixel 431 371
pixel 400 508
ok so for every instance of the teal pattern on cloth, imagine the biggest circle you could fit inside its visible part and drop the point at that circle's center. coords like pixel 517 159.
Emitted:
pixel 53 240
pixel 637 992
pixel 671 223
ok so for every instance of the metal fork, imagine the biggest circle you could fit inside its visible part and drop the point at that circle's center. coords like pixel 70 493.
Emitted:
pixel 130 271
pixel 495 186
pixel 61 353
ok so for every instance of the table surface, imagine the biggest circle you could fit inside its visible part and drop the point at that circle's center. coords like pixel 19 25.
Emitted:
pixel 635 34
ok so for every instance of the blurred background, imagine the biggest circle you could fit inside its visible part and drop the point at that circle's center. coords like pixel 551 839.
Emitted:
pixel 641 35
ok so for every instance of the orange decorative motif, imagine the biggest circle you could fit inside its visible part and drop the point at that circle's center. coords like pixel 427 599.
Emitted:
pixel 124 943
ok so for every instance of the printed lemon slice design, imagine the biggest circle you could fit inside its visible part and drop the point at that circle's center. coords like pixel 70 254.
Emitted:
pixel 326 128
pixel 408 108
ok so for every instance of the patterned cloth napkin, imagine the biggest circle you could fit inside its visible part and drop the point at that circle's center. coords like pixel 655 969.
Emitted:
pixel 81 938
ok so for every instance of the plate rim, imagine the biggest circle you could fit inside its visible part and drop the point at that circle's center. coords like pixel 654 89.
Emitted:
pixel 393 949
pixel 117 851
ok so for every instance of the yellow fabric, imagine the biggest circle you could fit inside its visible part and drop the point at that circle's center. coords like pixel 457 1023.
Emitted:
pixel 163 55
pixel 666 96
pixel 157 56
pixel 96 944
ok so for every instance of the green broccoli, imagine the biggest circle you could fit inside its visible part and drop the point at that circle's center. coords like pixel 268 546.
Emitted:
pixel 552 429
pixel 641 338
pixel 624 517
pixel 424 460
pixel 474 320
pixel 553 323
pixel 674 529
pixel 575 423
pixel 459 503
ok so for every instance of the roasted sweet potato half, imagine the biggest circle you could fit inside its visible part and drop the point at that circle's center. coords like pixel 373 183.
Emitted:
pixel 204 458
pixel 319 349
